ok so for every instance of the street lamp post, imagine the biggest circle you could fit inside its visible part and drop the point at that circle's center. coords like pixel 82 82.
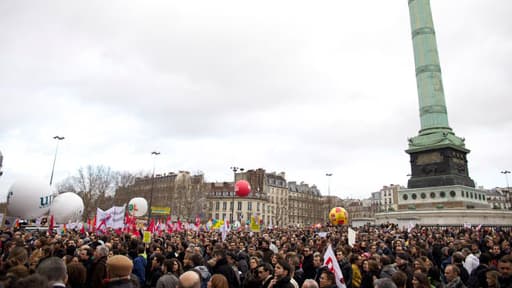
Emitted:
pixel 234 169
pixel 154 153
pixel 506 172
pixel 329 189
pixel 58 138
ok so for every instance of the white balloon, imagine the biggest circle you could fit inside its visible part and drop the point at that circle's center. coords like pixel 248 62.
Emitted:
pixel 29 199
pixel 67 207
pixel 138 207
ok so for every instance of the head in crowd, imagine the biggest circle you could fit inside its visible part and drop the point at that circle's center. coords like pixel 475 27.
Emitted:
pixel 265 270
pixel 218 281
pixel 420 280
pixel 17 256
pixel 54 269
pixel 101 251
pixel 384 283
pixel 254 262
pixel 327 279
pixel 491 277
pixel 282 269
pixel 505 266
pixel 189 279
pixel 400 279
pixel 77 274
pixel 318 260
pixel 451 272
pixel 119 266
pixel 310 283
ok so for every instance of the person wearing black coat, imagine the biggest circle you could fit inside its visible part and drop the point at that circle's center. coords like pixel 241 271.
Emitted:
pixel 282 275
pixel 219 265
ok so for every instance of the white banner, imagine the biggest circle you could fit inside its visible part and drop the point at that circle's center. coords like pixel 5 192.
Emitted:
pixel 351 237
pixel 112 218
pixel 332 264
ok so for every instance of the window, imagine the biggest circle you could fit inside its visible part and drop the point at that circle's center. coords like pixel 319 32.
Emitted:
pixel 442 194
pixel 216 215
pixel 258 206
pixel 239 205
pixel 423 195
pixel 223 216
pixel 217 206
pixel 231 204
pixel 224 205
pixel 414 196
pixel 405 197
pixel 471 195
pixel 452 193
pixel 249 206
pixel 432 195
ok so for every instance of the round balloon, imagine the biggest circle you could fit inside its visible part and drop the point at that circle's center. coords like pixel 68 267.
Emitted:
pixel 138 206
pixel 67 207
pixel 29 199
pixel 338 216
pixel 242 188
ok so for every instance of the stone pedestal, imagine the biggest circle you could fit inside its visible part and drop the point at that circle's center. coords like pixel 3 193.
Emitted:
pixel 439 167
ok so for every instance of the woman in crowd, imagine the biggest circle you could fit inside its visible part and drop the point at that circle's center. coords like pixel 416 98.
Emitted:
pixel 420 280
pixel 218 281
pixel 327 279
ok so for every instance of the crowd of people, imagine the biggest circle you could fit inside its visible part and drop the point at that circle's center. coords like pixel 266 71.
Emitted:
pixel 383 256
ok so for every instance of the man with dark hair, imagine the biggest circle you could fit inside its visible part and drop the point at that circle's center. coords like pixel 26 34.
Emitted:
pixel 219 265
pixel 452 275
pixel 168 279
pixel 307 263
pixel 318 264
pixel 345 267
pixel 54 269
pixel 458 260
pixel 505 269
pixel 388 269
pixel 403 263
pixel 265 274
pixel 282 275
pixel 197 263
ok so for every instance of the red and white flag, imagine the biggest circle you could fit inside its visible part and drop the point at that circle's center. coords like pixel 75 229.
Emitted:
pixel 332 264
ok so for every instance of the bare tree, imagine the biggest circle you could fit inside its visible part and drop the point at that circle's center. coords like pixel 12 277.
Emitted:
pixel 93 183
pixel 96 185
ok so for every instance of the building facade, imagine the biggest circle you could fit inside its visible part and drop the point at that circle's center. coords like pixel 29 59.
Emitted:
pixel 274 200
pixel 184 193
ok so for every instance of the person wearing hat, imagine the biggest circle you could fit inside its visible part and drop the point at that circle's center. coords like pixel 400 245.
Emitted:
pixel 119 269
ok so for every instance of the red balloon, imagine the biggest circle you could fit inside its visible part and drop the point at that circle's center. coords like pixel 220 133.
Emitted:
pixel 242 188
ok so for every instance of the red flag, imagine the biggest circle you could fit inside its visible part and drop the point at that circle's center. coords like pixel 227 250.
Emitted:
pixel 179 227
pixel 169 225
pixel 151 227
pixel 198 221
pixel 51 225
pixel 82 228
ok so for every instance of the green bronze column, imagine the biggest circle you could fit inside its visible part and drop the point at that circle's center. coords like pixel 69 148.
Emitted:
pixel 433 112
pixel 438 156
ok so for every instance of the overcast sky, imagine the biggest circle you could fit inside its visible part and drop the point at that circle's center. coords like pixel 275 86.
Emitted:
pixel 304 87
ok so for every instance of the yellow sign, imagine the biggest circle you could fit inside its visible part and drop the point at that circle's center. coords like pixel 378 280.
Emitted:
pixel 255 224
pixel 147 237
pixel 161 210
